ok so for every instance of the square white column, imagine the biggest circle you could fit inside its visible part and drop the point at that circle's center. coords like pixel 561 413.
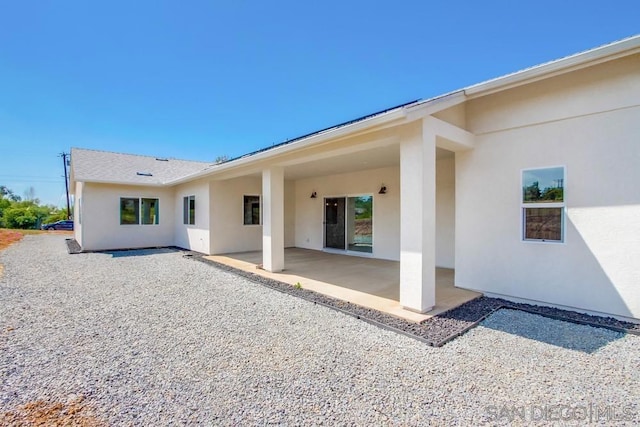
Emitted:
pixel 418 219
pixel 273 219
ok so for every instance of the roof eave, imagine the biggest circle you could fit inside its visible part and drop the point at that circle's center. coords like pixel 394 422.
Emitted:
pixel 434 105
pixel 574 62
pixel 321 137
pixel 139 184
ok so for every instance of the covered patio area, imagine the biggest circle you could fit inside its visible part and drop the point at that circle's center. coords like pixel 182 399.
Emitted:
pixel 384 188
pixel 368 282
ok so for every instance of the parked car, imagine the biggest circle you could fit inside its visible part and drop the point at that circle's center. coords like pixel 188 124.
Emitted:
pixel 59 225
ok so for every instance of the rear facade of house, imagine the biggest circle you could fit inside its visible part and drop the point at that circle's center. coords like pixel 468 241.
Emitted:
pixel 526 185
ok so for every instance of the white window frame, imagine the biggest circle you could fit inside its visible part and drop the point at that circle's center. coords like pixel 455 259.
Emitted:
pixel 139 223
pixel 260 207
pixel 541 205
pixel 186 213
pixel 346 251
pixel 157 210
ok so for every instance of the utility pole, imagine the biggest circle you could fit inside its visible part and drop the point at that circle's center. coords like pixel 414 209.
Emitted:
pixel 66 181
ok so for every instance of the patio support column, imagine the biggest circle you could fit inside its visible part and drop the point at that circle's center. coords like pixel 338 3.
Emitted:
pixel 273 219
pixel 418 218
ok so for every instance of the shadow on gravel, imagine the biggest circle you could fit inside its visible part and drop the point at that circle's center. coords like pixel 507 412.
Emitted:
pixel 139 252
pixel 568 335
pixel 440 329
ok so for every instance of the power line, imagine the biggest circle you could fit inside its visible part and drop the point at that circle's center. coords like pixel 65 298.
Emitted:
pixel 29 176
pixel 30 180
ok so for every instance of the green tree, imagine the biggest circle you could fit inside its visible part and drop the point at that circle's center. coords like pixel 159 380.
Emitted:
pixel 531 193
pixel 55 214
pixel 553 194
pixel 364 207
pixel 4 204
pixel 24 215
pixel 6 193
pixel 28 213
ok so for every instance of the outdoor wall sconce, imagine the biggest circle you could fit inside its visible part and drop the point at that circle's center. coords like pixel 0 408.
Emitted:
pixel 383 190
pixel 314 195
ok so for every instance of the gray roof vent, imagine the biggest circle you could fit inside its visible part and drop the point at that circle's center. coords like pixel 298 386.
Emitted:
pixel 144 173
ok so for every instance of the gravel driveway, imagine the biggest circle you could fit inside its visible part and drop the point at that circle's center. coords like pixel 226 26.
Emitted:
pixel 152 338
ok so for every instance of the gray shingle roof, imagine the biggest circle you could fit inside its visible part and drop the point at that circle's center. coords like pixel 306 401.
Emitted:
pixel 119 168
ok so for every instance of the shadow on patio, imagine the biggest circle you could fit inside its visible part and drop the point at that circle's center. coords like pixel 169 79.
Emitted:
pixel 371 283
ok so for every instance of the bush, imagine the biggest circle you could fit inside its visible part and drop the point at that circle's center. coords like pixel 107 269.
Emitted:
pixel 24 215
pixel 55 215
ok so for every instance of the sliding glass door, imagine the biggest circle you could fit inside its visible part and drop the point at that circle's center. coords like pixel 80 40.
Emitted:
pixel 360 224
pixel 348 223
pixel 334 224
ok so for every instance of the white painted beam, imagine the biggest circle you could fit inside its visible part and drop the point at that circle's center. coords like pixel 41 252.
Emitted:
pixel 451 137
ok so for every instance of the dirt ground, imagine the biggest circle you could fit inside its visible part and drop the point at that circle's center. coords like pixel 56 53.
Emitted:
pixel 39 413
pixel 9 236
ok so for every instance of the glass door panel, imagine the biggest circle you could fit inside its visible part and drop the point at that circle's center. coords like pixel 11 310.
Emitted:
pixel 360 224
pixel 334 223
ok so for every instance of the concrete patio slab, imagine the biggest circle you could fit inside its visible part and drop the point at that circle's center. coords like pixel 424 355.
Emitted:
pixel 368 282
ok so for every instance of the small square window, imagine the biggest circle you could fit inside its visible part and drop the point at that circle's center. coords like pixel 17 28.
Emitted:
pixel 251 210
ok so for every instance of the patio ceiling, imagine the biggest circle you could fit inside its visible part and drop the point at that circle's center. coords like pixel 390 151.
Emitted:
pixel 374 158
pixel 340 162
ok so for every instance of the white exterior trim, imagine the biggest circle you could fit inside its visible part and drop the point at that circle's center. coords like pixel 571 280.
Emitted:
pixel 562 205
pixel 346 251
pixel 574 62
pixel 139 210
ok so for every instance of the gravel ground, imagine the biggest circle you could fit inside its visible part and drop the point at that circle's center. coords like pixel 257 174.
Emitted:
pixel 437 330
pixel 152 338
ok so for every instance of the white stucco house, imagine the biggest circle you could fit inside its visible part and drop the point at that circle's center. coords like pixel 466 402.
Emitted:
pixel 527 185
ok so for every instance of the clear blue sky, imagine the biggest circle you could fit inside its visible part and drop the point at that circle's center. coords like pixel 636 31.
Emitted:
pixel 198 79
